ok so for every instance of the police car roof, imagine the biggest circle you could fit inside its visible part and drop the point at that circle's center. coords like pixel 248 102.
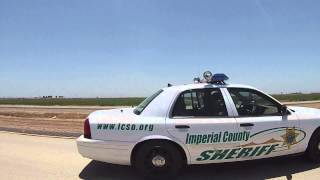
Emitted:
pixel 206 85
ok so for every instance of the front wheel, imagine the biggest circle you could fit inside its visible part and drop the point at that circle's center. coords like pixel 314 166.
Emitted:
pixel 313 151
pixel 158 160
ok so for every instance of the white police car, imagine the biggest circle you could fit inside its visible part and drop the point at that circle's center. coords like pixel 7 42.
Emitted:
pixel 205 122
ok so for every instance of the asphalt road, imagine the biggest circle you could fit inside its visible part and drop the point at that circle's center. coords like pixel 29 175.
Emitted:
pixel 33 157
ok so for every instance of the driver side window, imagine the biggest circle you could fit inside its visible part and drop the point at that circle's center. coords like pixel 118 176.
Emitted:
pixel 253 103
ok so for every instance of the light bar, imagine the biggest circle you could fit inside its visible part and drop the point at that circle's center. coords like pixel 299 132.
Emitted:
pixel 219 78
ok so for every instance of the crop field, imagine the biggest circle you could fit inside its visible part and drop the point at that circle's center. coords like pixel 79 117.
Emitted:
pixel 124 101
pixel 72 101
pixel 297 97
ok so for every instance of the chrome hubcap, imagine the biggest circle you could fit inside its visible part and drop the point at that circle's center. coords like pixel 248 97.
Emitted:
pixel 158 161
pixel 319 146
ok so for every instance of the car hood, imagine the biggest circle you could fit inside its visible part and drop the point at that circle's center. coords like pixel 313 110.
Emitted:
pixel 304 112
pixel 112 116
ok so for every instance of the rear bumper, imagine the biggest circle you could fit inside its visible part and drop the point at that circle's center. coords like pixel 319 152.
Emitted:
pixel 105 151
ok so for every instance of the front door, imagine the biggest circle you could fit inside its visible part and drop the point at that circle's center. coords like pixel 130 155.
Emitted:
pixel 272 133
pixel 201 120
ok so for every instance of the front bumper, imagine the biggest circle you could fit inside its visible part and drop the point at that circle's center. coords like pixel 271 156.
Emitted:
pixel 106 151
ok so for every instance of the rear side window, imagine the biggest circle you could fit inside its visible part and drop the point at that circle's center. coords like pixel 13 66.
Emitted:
pixel 200 103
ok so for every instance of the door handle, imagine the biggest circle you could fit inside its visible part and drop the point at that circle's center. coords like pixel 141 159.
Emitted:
pixel 182 126
pixel 246 125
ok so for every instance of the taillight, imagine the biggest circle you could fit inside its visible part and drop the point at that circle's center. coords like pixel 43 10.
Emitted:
pixel 87 132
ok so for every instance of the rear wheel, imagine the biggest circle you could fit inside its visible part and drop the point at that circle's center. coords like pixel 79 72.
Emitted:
pixel 313 151
pixel 158 160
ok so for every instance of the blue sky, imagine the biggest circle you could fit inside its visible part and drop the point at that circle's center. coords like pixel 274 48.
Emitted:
pixel 115 48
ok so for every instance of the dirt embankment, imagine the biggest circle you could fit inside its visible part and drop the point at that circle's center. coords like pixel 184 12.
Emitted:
pixel 48 121
pixel 57 121
pixel 313 105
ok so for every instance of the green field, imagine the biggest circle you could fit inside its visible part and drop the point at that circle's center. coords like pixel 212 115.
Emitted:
pixel 125 101
pixel 73 101
pixel 297 97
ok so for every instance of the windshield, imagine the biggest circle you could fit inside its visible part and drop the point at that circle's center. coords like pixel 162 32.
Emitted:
pixel 138 110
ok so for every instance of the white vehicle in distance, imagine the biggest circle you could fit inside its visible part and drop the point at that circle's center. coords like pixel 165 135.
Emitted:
pixel 209 121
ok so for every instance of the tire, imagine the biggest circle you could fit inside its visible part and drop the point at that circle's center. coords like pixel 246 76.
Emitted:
pixel 149 160
pixel 313 151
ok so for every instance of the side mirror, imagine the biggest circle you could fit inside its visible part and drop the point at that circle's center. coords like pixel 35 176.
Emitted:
pixel 284 110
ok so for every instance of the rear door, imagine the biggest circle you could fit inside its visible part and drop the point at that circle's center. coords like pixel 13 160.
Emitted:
pixel 202 121
pixel 272 133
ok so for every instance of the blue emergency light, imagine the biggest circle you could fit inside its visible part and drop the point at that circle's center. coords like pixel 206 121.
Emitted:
pixel 219 78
